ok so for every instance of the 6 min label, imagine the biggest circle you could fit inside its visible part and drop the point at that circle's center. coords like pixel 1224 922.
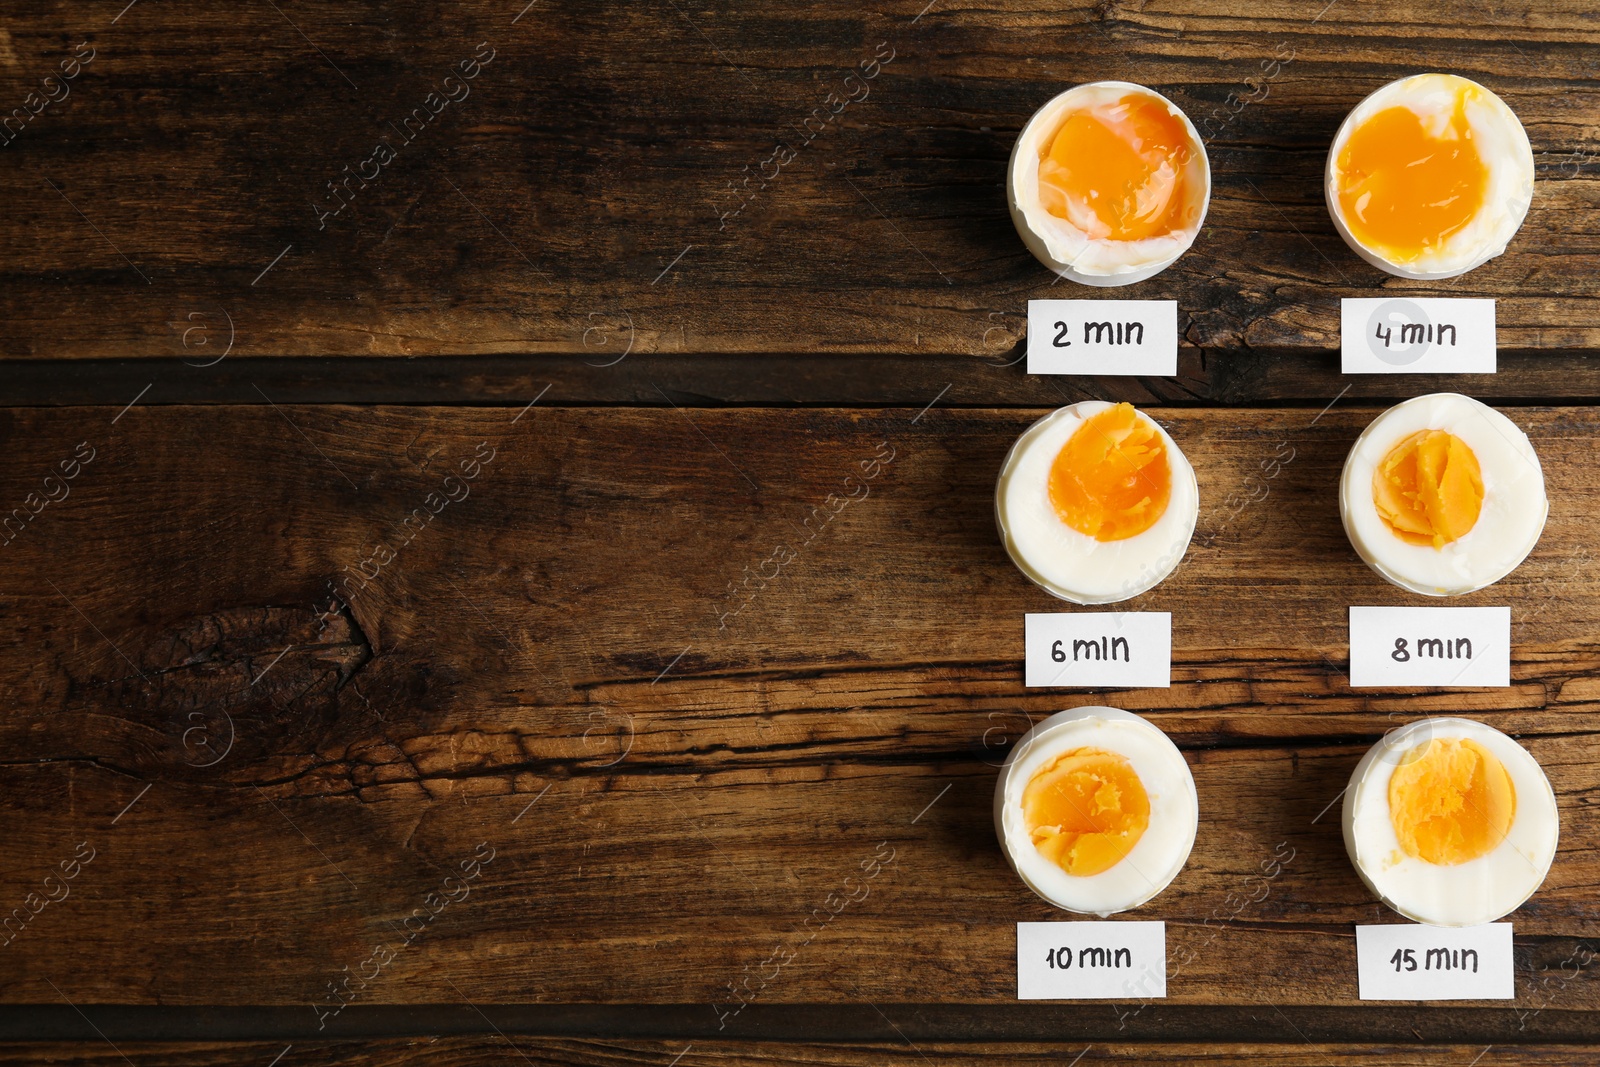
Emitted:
pixel 1094 649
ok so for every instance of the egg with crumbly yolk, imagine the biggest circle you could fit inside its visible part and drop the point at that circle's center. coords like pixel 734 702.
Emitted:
pixel 1430 176
pixel 1451 800
pixel 1096 503
pixel 1109 183
pixel 1443 495
pixel 1450 822
pixel 1086 810
pixel 1096 810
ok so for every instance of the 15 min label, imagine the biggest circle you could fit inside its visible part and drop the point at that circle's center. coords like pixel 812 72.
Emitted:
pixel 1103 337
pixel 1437 647
pixel 1430 335
pixel 1091 960
pixel 1409 961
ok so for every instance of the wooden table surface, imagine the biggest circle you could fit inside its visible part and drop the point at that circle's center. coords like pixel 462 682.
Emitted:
pixel 389 681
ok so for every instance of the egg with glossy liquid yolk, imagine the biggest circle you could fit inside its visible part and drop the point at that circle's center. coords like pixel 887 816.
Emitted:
pixel 1443 495
pixel 1096 810
pixel 1108 183
pixel 1096 503
pixel 1430 176
pixel 1450 822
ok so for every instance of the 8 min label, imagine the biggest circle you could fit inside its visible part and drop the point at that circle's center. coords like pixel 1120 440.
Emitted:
pixel 1438 647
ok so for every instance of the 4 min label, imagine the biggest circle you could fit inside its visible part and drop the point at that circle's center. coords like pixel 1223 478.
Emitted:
pixel 1425 335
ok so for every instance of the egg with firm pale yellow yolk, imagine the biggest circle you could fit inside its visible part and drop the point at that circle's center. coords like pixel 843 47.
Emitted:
pixel 1429 176
pixel 1443 495
pixel 1108 183
pixel 1450 822
pixel 1096 503
pixel 1096 810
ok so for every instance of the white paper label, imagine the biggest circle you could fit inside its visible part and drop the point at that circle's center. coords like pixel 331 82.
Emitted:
pixel 1437 647
pixel 1409 961
pixel 1102 337
pixel 1091 960
pixel 1424 335
pixel 1095 649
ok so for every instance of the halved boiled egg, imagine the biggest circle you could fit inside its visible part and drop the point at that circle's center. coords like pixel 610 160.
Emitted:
pixel 1450 822
pixel 1429 177
pixel 1095 503
pixel 1442 495
pixel 1108 183
pixel 1096 810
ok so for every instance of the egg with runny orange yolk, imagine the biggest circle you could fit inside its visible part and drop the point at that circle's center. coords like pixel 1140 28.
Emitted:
pixel 1108 183
pixel 1429 177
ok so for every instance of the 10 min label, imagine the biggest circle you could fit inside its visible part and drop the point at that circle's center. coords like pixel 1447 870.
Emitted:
pixel 1091 960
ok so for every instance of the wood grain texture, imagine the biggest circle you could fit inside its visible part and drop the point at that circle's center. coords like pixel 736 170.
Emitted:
pixel 582 186
pixel 451 1052
pixel 550 672
pixel 1255 378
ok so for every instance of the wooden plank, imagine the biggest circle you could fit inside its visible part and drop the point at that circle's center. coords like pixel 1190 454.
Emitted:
pixel 181 188
pixel 880 1023
pixel 1274 378
pixel 548 675
pixel 614 1053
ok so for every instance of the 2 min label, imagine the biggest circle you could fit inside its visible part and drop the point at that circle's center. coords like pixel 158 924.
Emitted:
pixel 1431 335
pixel 1435 647
pixel 1409 961
pixel 1103 337
pixel 1095 649
pixel 1091 960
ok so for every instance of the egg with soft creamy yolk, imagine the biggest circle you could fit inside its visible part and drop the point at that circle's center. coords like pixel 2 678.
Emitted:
pixel 1443 495
pixel 1429 176
pixel 1096 810
pixel 1108 183
pixel 1096 503
pixel 1450 822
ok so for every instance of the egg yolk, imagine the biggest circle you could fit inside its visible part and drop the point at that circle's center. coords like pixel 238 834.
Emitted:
pixel 1085 810
pixel 1117 171
pixel 1407 186
pixel 1111 480
pixel 1429 488
pixel 1450 801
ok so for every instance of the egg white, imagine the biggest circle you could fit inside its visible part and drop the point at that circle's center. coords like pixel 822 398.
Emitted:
pixel 1073 565
pixel 1160 852
pixel 1478 891
pixel 1514 502
pixel 1502 144
pixel 1065 248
